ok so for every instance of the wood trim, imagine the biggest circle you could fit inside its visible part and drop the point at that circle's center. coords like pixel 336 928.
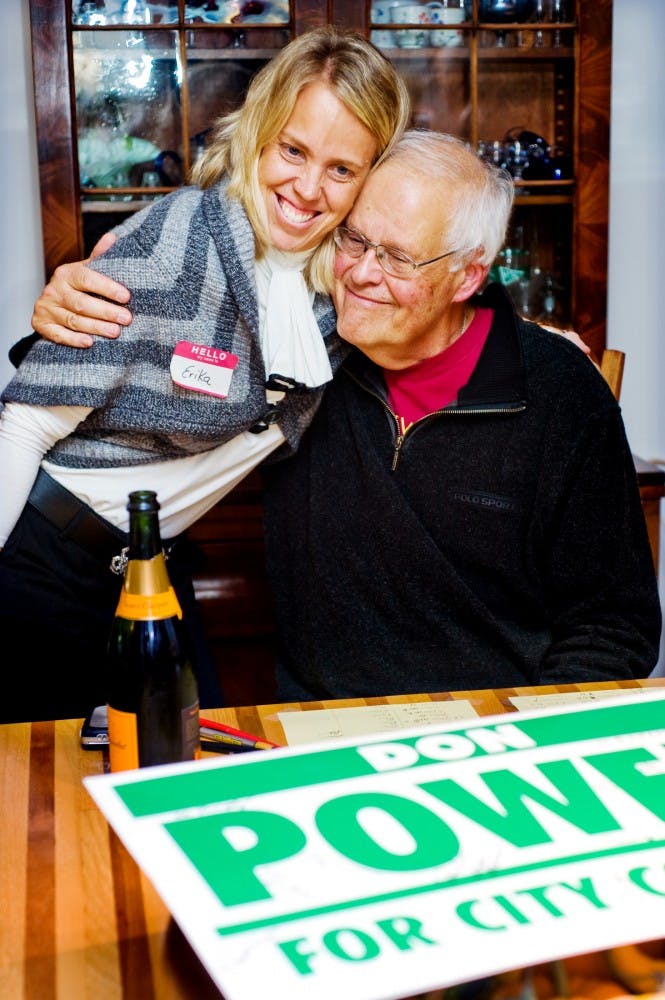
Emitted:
pixel 590 238
pixel 58 169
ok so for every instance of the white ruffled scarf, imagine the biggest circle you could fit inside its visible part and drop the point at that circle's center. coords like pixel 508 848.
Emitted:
pixel 291 341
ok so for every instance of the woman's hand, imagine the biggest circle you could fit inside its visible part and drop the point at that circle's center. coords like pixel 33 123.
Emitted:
pixel 574 338
pixel 79 302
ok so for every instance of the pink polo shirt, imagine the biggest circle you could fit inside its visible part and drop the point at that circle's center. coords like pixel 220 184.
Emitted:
pixel 434 383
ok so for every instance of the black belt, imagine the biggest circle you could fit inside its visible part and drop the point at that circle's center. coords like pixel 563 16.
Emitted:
pixel 79 523
pixel 75 520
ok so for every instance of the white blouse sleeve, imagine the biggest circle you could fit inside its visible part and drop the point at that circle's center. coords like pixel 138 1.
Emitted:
pixel 26 434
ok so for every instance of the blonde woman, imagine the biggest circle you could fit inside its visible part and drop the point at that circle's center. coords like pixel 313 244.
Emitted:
pixel 231 343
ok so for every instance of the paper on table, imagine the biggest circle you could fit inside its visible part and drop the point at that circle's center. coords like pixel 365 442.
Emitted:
pixel 331 723
pixel 524 702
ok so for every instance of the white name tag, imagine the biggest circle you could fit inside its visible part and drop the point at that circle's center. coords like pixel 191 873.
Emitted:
pixel 202 368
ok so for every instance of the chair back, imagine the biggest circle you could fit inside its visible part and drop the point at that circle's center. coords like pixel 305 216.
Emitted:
pixel 611 368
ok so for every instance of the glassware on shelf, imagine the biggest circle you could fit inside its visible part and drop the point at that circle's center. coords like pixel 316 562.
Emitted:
pixel 513 270
pixel 517 158
pixel 446 12
pixel 529 153
pixel 198 144
pixel 382 13
pixel 150 179
pixel 527 156
pixel 237 12
pixel 541 38
pixel 492 150
pixel 89 12
pixel 550 313
pixel 121 12
pixel 413 14
pixel 559 14
pixel 127 105
pixel 505 12
pixel 560 163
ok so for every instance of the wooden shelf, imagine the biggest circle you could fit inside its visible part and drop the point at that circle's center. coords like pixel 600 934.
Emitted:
pixel 119 204
pixel 539 196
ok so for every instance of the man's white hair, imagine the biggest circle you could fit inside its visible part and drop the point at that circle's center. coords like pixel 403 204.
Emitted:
pixel 484 193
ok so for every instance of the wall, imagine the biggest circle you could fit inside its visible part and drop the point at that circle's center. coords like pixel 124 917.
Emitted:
pixel 637 228
pixel 637 217
pixel 21 266
pixel 637 208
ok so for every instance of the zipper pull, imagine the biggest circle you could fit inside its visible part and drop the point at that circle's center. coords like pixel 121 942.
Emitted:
pixel 398 445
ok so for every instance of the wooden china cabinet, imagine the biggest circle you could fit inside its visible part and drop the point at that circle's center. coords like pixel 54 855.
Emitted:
pixel 126 91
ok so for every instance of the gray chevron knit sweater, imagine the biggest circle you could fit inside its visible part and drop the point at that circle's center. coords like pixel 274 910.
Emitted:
pixel 188 261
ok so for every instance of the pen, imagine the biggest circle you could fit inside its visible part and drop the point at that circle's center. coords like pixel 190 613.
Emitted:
pixel 219 742
pixel 234 742
pixel 220 729
pixel 227 745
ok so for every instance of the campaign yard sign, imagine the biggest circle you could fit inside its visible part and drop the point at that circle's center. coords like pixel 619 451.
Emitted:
pixel 381 866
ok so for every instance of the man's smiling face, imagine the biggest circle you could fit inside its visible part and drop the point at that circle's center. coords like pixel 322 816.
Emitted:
pixel 398 321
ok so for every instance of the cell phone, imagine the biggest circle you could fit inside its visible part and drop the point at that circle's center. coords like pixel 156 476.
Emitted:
pixel 95 729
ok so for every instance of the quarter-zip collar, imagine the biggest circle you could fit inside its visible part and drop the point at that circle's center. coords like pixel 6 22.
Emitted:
pixel 499 378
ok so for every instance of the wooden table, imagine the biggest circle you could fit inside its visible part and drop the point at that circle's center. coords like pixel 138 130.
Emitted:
pixel 77 917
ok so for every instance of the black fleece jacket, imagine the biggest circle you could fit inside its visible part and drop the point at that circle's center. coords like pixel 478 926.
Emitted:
pixel 501 543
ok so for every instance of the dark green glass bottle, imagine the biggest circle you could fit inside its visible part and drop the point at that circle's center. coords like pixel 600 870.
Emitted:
pixel 153 703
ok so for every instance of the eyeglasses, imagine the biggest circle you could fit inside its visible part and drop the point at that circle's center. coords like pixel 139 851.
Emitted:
pixel 396 263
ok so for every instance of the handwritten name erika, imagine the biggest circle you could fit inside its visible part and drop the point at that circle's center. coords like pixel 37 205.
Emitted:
pixel 194 373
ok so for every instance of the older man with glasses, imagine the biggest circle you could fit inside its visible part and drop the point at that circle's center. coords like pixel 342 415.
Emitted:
pixel 463 512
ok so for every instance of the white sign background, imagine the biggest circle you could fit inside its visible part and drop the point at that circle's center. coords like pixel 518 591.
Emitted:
pixel 374 868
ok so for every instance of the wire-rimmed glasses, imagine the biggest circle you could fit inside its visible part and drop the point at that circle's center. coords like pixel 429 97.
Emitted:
pixel 394 262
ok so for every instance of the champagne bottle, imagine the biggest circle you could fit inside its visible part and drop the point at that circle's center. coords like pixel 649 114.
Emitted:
pixel 153 704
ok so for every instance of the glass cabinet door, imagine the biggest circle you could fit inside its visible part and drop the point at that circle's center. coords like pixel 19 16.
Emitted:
pixel 526 115
pixel 148 86
pixel 128 88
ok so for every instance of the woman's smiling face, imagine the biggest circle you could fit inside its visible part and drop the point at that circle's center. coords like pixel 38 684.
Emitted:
pixel 311 174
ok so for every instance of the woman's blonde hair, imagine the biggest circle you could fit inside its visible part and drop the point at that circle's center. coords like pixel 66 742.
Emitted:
pixel 363 79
